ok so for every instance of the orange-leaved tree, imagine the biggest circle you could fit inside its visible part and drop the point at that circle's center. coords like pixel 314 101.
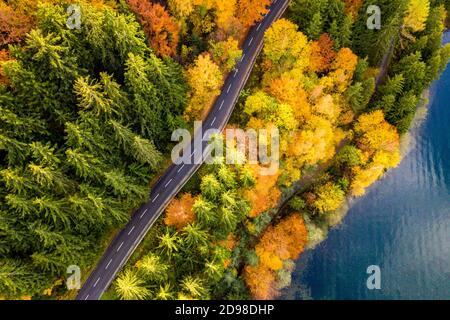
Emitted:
pixel 322 54
pixel 283 241
pixel 342 69
pixel 265 194
pixel 261 282
pixel 162 29
pixel 352 8
pixel 13 25
pixel 179 213
pixel 251 11
pixel 4 56
pixel 279 243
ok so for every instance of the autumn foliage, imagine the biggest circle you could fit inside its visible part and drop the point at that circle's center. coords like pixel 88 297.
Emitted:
pixel 342 69
pixel 179 212
pixel 265 194
pixel 302 94
pixel 329 197
pixel 375 134
pixel 251 11
pixel 284 241
pixel 322 53
pixel 416 15
pixel 279 243
pixel 13 25
pixel 4 56
pixel 352 7
pixel 261 282
pixel 162 30
pixel 205 80
pixel 380 143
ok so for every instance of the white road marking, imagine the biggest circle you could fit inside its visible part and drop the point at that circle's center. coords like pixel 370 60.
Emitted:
pixel 181 168
pixel 214 120
pixel 250 43
pixel 193 152
pixel 235 73
pixel 96 282
pixel 106 268
pixel 259 26
pixel 167 184
pixel 154 199
pixel 143 214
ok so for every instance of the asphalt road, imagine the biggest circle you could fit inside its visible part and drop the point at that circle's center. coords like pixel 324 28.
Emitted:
pixel 171 182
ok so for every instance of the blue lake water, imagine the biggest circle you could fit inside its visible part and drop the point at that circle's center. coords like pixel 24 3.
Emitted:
pixel 402 225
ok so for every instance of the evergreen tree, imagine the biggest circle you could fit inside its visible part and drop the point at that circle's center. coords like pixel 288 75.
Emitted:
pixel 79 140
pixel 315 27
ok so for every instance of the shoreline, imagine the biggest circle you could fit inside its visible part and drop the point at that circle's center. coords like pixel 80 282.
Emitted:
pixel 409 141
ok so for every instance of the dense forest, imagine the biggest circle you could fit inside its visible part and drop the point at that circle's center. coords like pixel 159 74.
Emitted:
pixel 87 113
pixel 79 139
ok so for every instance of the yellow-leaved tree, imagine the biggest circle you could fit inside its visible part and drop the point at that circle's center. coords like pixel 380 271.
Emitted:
pixel 330 197
pixel 416 15
pixel 181 8
pixel 226 53
pixel 284 45
pixel 379 142
pixel 205 80
pixel 225 11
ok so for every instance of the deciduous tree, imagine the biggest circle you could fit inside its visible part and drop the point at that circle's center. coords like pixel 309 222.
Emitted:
pixel 251 11
pixel 179 213
pixel 4 56
pixel 13 25
pixel 182 8
pixel 280 243
pixel 161 29
pixel 284 44
pixel 265 194
pixel 226 54
pixel 322 54
pixel 261 282
pixel 205 80
pixel 352 7
pixel 330 197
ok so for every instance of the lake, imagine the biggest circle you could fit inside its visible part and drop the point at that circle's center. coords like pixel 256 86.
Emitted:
pixel 401 225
